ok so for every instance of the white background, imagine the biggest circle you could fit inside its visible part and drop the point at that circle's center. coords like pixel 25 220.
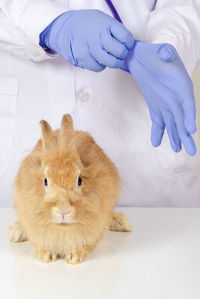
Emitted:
pixel 158 260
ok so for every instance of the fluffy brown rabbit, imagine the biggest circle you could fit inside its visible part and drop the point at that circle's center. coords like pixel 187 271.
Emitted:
pixel 65 193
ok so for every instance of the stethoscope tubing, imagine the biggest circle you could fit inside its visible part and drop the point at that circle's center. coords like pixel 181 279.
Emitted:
pixel 114 11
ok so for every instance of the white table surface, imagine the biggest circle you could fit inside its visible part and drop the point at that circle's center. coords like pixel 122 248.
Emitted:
pixel 160 259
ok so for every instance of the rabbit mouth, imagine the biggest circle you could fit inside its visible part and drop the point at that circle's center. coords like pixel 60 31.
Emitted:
pixel 64 219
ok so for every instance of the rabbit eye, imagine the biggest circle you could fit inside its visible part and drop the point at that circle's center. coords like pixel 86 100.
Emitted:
pixel 79 181
pixel 45 182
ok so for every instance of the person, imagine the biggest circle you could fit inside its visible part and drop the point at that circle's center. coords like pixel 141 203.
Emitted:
pixel 60 67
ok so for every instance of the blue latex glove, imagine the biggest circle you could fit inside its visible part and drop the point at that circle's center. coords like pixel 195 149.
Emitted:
pixel 89 39
pixel 168 92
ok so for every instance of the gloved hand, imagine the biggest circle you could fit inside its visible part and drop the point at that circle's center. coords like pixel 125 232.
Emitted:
pixel 168 92
pixel 89 39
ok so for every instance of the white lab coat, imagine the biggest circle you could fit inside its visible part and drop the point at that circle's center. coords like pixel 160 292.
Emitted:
pixel 35 86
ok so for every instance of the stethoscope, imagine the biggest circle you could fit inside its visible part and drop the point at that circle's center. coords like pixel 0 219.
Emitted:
pixel 114 11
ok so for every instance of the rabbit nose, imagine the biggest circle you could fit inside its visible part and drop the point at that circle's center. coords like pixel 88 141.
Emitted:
pixel 63 206
pixel 62 212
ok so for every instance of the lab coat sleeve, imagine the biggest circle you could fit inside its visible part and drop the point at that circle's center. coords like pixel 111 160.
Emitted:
pixel 177 22
pixel 22 21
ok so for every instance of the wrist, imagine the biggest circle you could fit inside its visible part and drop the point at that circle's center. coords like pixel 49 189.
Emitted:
pixel 45 40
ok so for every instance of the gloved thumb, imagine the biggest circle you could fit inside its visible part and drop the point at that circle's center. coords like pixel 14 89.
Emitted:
pixel 167 53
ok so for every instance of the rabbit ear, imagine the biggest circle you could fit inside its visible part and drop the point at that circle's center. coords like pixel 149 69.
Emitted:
pixel 48 136
pixel 67 131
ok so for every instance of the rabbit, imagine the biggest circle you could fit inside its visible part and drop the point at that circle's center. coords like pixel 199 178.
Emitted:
pixel 64 195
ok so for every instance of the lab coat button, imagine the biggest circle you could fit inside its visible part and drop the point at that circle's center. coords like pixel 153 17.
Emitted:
pixel 83 95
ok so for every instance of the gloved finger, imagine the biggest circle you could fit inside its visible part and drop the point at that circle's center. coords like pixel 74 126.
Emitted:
pixel 172 131
pixel 189 145
pixel 189 109
pixel 186 139
pixel 113 46
pixel 102 57
pixel 157 129
pixel 85 60
pixel 120 32
pixel 167 53
pixel 93 65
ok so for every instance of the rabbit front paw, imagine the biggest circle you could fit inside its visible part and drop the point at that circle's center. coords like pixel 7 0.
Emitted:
pixel 120 223
pixel 77 256
pixel 45 256
pixel 16 233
